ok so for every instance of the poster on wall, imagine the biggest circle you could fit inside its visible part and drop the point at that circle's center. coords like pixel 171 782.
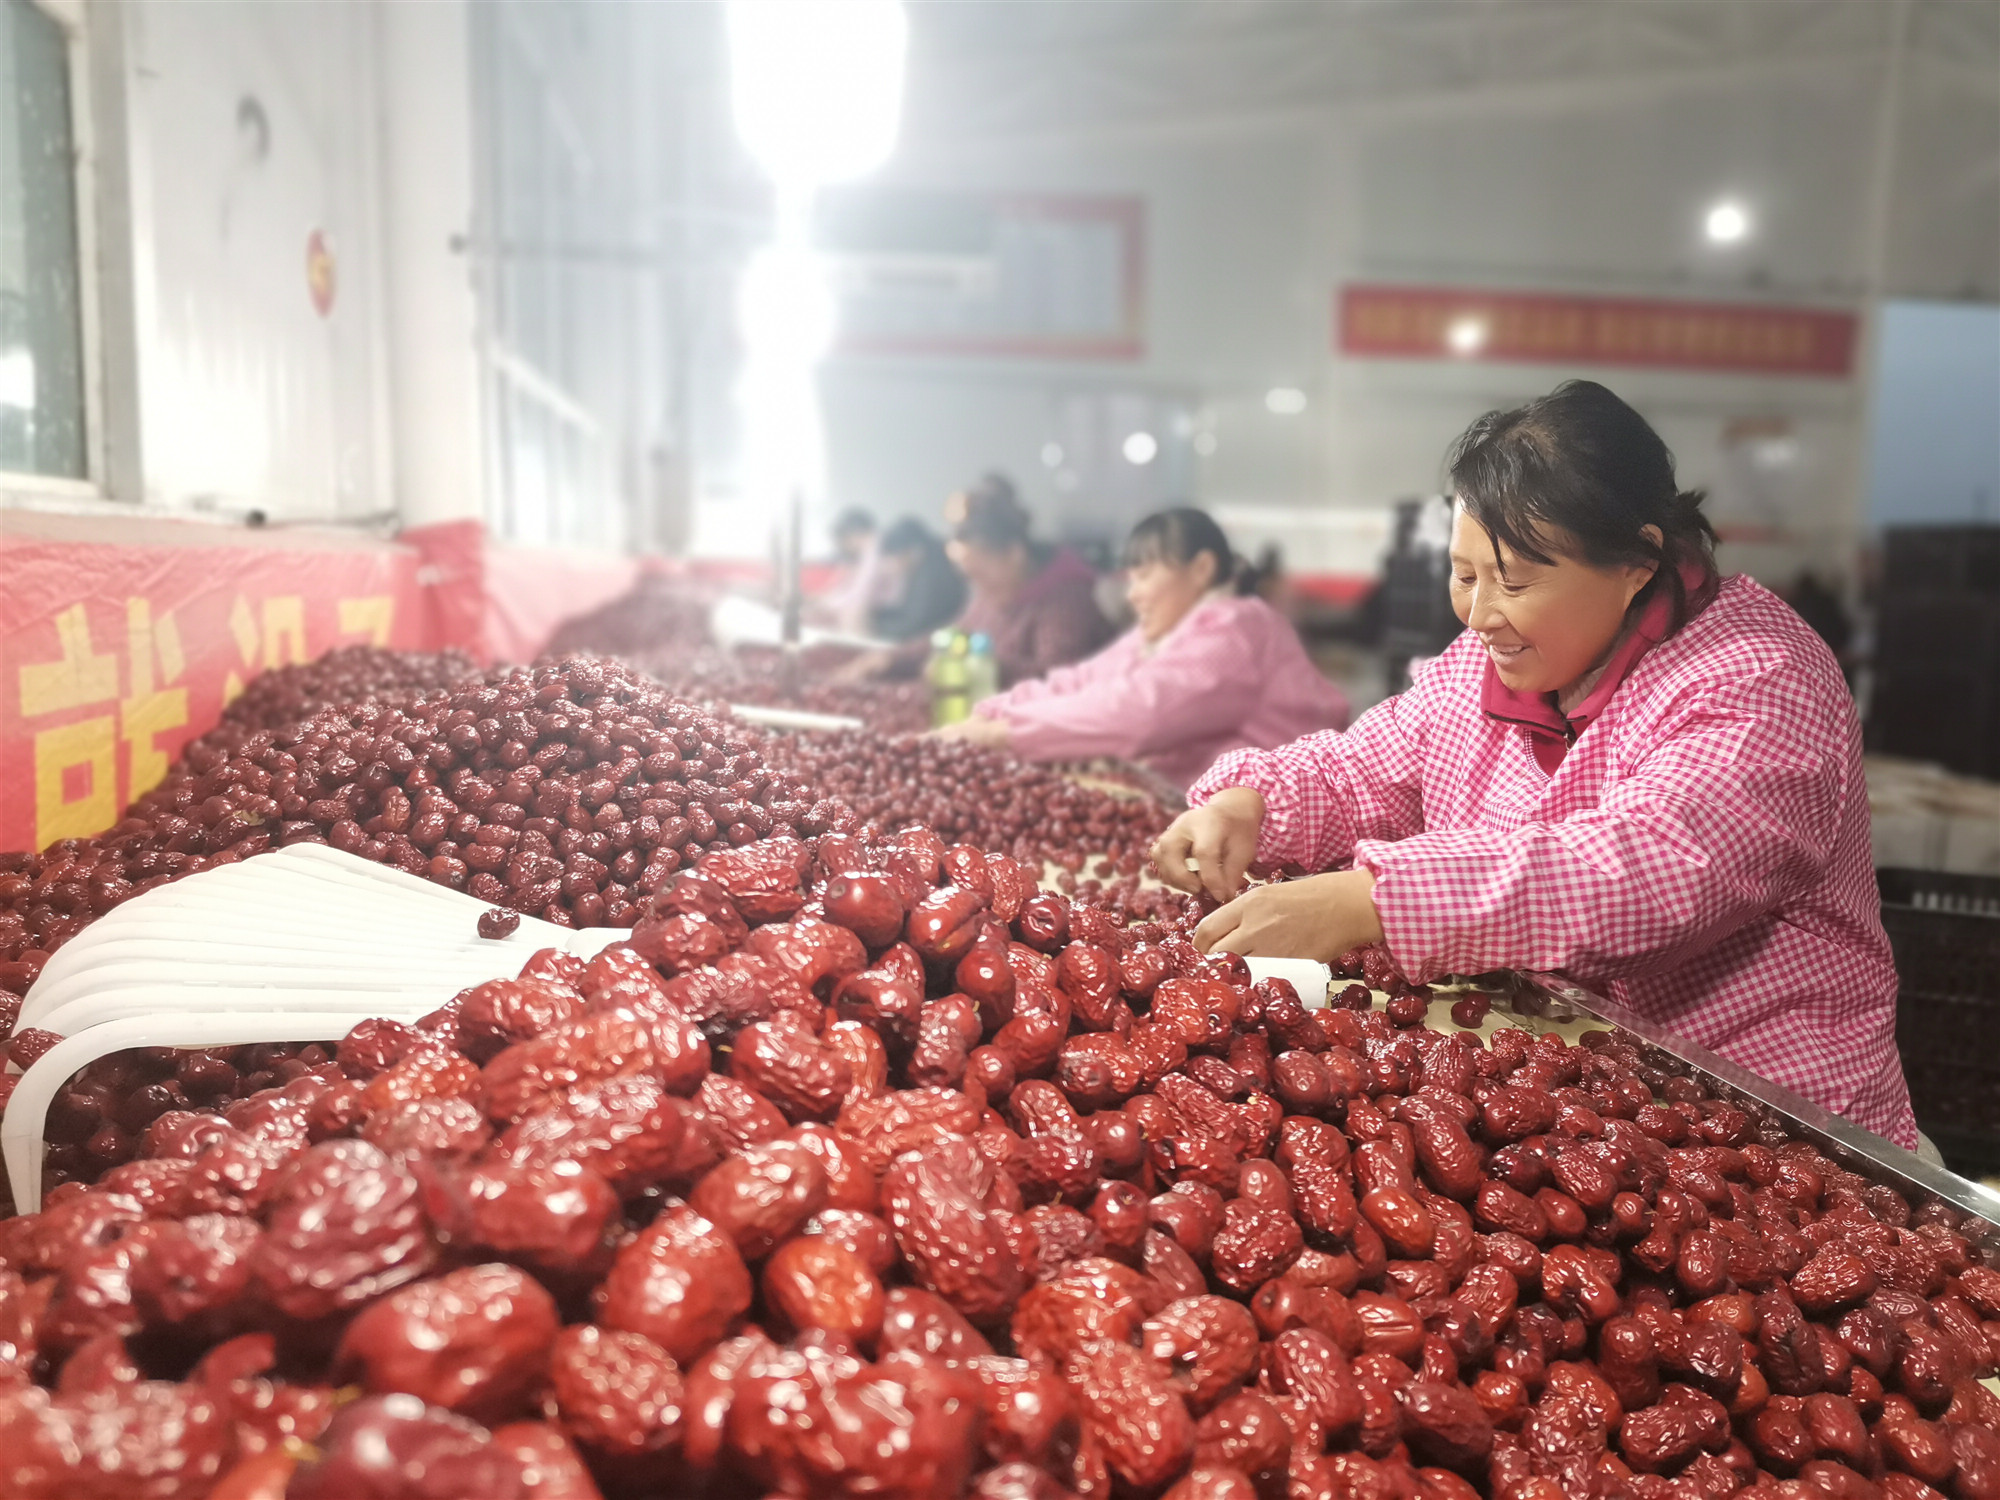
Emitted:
pixel 1429 322
pixel 113 657
pixel 955 274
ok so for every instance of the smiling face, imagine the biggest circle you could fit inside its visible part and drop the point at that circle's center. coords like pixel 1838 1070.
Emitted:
pixel 1161 592
pixel 1544 624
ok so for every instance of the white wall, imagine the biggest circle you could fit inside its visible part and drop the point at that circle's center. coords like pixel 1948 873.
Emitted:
pixel 240 130
pixel 1570 187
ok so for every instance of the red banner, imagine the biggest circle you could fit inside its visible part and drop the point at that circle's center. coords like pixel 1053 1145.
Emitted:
pixel 112 657
pixel 1425 322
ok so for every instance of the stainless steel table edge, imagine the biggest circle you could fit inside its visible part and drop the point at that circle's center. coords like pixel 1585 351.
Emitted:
pixel 1860 1150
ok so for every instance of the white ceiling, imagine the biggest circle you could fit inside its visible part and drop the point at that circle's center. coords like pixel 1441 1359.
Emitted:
pixel 1008 68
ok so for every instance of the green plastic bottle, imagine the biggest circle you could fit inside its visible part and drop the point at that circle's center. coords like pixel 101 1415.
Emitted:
pixel 985 669
pixel 950 677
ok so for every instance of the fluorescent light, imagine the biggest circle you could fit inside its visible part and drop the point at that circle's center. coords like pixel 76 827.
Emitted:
pixel 1140 448
pixel 1285 400
pixel 785 307
pixel 1726 223
pixel 817 84
pixel 1052 455
pixel 1466 335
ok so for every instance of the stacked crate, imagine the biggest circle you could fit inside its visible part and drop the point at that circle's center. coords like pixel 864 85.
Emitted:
pixel 1937 661
pixel 1945 930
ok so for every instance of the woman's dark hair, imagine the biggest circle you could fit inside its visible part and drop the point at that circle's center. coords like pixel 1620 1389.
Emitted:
pixel 853 520
pixel 990 515
pixel 1580 461
pixel 907 535
pixel 1179 536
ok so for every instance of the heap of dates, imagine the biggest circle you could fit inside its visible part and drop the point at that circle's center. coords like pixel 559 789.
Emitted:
pixel 764 677
pixel 566 791
pixel 865 1168
pixel 660 612
pixel 1098 841
pixel 283 696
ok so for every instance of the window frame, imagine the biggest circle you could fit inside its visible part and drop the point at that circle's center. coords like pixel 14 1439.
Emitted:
pixel 16 485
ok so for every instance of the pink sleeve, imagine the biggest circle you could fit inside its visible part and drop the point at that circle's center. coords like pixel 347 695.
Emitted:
pixel 1323 792
pixel 1731 812
pixel 1075 678
pixel 1198 682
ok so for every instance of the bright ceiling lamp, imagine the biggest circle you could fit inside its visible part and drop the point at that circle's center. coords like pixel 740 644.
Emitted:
pixel 818 89
pixel 1726 224
pixel 784 307
pixel 1284 400
pixel 1466 335
pixel 817 85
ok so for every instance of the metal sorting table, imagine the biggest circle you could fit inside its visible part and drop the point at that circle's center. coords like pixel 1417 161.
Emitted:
pixel 1551 998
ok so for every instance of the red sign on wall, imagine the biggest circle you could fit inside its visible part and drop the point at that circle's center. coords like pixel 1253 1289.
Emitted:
pixel 112 657
pixel 1425 322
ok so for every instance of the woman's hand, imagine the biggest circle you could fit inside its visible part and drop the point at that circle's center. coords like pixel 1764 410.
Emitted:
pixel 1211 847
pixel 1320 917
pixel 977 730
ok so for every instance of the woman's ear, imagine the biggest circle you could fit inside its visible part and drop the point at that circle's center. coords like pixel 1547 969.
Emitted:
pixel 1203 568
pixel 1638 575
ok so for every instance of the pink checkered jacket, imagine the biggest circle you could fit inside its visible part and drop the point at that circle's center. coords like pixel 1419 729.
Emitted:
pixel 1232 673
pixel 1700 854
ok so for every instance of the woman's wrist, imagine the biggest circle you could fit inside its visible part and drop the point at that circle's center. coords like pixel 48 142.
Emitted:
pixel 1354 900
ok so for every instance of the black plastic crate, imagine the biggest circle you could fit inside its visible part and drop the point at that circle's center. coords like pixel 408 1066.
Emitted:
pixel 1921 560
pixel 1917 628
pixel 1945 930
pixel 1943 708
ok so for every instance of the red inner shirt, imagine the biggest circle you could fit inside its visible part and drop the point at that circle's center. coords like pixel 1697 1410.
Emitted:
pixel 1550 731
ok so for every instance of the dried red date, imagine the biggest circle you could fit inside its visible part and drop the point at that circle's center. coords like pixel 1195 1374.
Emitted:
pixel 934 1203
pixel 811 1282
pixel 1208 1343
pixel 680 1283
pixel 472 1341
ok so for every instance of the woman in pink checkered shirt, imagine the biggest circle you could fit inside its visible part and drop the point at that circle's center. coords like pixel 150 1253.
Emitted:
pixel 1202 671
pixel 1627 769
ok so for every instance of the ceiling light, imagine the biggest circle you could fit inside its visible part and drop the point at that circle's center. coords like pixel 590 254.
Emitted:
pixel 1726 224
pixel 1466 335
pixel 1285 400
pixel 1140 448
pixel 1052 455
pixel 818 88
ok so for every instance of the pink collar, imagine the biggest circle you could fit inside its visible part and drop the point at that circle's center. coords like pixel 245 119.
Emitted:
pixel 1553 731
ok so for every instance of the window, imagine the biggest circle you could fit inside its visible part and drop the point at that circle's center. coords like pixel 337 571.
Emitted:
pixel 41 311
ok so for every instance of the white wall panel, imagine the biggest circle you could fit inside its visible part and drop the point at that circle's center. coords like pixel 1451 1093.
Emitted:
pixel 257 124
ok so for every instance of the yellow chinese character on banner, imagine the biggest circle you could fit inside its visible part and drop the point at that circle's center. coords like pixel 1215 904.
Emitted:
pixel 149 711
pixel 284 631
pixel 371 615
pixel 83 676
pixel 76 781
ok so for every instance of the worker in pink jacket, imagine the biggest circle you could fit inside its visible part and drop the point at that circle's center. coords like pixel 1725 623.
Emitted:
pixel 1625 769
pixel 1203 671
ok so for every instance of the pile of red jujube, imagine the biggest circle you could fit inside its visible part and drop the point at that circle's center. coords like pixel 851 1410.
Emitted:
pixel 864 1168
pixel 46 898
pixel 762 677
pixel 659 612
pixel 282 697
pixel 1099 841
pixel 567 791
